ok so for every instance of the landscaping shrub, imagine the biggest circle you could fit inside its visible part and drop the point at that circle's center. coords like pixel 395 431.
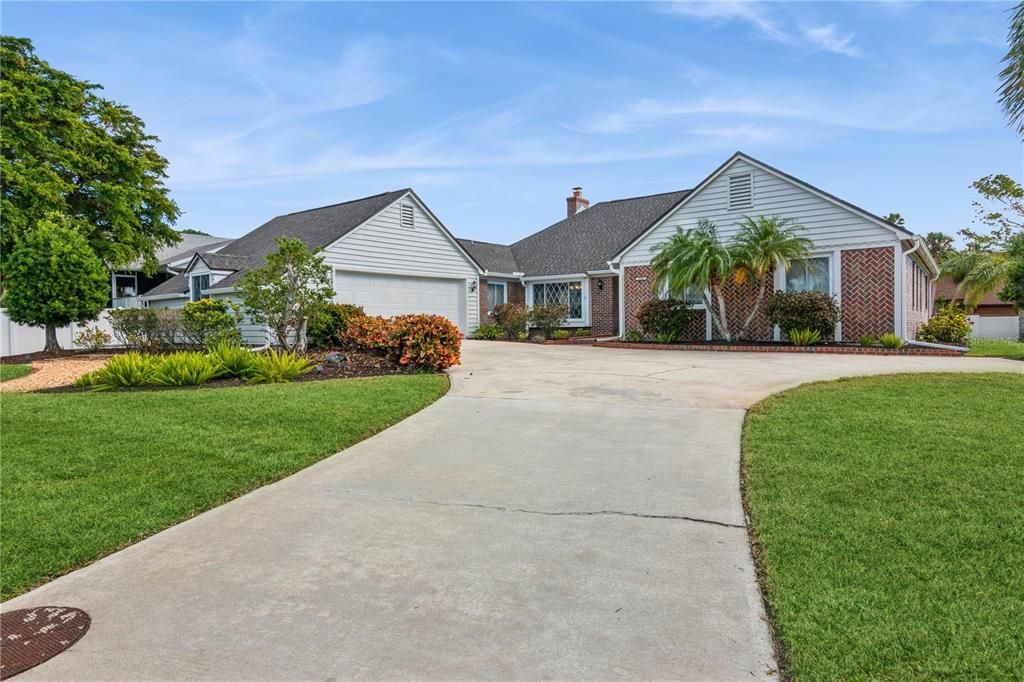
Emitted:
pixel 585 331
pixel 867 340
pixel 327 329
pixel 278 367
pixel 210 321
pixel 370 333
pixel 126 371
pixel 87 380
pixel 430 341
pixel 92 339
pixel 522 336
pixel 511 318
pixel 665 318
pixel 488 332
pixel 891 341
pixel 231 360
pixel 804 337
pixel 804 310
pixel 547 317
pixel 949 324
pixel 149 329
pixel 560 334
pixel 186 368
pixel 634 336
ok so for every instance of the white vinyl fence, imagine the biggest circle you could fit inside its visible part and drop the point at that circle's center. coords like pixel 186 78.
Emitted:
pixel 17 339
pixel 996 327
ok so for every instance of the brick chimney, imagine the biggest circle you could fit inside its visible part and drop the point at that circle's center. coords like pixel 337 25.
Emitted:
pixel 576 202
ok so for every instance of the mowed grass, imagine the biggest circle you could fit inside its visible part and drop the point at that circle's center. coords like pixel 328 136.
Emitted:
pixel 996 348
pixel 888 521
pixel 87 473
pixel 9 372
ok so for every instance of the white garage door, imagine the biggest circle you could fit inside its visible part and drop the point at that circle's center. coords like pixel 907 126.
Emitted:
pixel 390 295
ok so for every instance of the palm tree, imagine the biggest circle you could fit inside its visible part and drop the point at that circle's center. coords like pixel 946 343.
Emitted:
pixel 977 273
pixel 696 258
pixel 762 244
pixel 1011 90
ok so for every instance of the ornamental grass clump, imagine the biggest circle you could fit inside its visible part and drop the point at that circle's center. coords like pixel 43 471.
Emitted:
pixel 867 340
pixel 187 368
pixel 129 370
pixel 804 337
pixel 232 360
pixel 278 367
pixel 891 341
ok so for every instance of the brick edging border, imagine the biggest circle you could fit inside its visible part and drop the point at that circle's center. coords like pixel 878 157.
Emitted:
pixel 834 350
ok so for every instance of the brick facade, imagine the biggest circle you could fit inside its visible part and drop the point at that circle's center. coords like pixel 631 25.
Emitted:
pixel 739 301
pixel 604 305
pixel 640 290
pixel 867 279
pixel 515 292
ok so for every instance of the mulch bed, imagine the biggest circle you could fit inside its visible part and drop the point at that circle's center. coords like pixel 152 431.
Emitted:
pixel 356 364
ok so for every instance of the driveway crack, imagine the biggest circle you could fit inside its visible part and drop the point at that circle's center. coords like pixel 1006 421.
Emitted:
pixel 543 512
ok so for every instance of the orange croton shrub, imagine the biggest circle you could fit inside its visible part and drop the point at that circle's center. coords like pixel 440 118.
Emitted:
pixel 428 341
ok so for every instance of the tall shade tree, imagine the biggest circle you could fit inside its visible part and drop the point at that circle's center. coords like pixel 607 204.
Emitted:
pixel 53 278
pixel 939 244
pixel 763 244
pixel 67 150
pixel 1011 78
pixel 291 287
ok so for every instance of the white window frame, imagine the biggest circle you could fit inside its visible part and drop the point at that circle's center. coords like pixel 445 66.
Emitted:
pixel 663 294
pixel 780 275
pixel 584 283
pixel 834 285
pixel 504 294
pixel 113 284
pixel 196 293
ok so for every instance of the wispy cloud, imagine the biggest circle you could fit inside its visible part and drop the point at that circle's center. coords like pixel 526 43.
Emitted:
pixel 827 38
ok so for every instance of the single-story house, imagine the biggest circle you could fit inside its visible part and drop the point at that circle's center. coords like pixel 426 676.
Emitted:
pixel 388 253
pixel 597 260
pixel 392 255
pixel 992 318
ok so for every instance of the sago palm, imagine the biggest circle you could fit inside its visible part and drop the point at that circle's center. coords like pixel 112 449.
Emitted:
pixel 696 258
pixel 764 243
pixel 977 273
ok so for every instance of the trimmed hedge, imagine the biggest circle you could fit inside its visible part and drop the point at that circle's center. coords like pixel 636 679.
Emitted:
pixel 426 341
pixel 811 310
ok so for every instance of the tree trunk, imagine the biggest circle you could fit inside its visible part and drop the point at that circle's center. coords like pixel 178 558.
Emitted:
pixel 723 320
pixel 51 340
pixel 757 306
pixel 300 336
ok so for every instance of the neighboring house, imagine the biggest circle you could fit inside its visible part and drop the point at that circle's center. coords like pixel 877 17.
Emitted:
pixel 126 285
pixel 388 253
pixel 993 318
pixel 597 260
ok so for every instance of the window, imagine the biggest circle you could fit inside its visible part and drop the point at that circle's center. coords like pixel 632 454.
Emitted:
pixel 569 294
pixel 199 283
pixel 693 296
pixel 812 274
pixel 408 216
pixel 125 285
pixel 741 191
pixel 495 295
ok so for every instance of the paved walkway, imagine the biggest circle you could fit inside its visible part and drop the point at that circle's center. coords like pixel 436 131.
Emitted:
pixel 564 513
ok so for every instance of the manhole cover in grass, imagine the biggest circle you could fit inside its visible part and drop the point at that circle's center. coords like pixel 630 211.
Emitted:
pixel 30 636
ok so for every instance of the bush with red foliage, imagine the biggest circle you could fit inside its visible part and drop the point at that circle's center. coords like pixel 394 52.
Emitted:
pixel 428 341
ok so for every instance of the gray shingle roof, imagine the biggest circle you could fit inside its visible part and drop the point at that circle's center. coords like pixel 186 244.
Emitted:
pixel 175 285
pixel 318 227
pixel 491 257
pixel 592 237
pixel 227 261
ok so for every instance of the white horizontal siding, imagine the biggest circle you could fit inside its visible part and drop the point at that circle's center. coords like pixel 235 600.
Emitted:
pixel 827 224
pixel 168 302
pixel 252 334
pixel 383 245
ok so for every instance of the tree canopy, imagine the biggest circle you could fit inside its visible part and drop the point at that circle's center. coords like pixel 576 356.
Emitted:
pixel 1011 78
pixel 66 150
pixel 53 278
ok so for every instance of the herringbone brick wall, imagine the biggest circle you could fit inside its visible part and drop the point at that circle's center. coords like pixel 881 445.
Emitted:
pixel 739 301
pixel 639 290
pixel 604 306
pixel 868 302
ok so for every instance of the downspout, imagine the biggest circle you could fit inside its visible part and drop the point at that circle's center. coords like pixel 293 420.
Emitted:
pixel 622 297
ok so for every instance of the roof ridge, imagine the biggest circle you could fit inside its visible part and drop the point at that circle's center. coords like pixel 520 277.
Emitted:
pixel 479 241
pixel 350 201
pixel 642 196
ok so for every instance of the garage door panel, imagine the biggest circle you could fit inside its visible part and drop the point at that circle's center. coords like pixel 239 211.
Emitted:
pixel 390 295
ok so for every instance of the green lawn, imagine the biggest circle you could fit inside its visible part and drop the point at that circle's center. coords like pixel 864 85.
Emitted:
pixel 888 521
pixel 87 473
pixel 997 348
pixel 8 372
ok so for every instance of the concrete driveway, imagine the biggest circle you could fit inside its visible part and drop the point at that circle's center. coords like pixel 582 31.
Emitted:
pixel 563 513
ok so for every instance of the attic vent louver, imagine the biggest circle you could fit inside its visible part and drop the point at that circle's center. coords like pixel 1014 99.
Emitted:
pixel 741 191
pixel 408 217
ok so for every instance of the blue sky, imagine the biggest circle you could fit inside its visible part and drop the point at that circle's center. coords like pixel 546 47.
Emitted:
pixel 492 112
